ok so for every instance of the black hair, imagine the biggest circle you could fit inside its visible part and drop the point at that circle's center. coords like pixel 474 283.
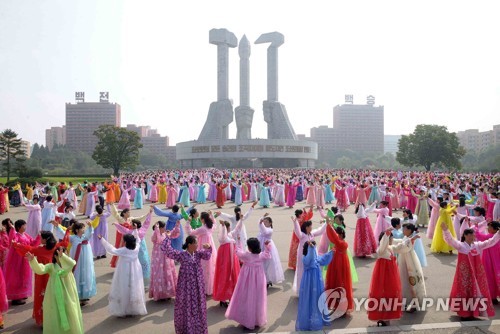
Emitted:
pixel 481 210
pixel 298 213
pixel 410 227
pixel 76 226
pixel 205 216
pixel 270 220
pixel 191 239
pixel 227 225
pixel 440 199
pixel 467 231
pixel 54 260
pixel 130 241
pixel 237 213
pixel 461 201
pixel 395 222
pixel 99 209
pixel 137 223
pixel 253 245
pixel 495 225
pixel 48 198
pixel 18 224
pixel 443 204
pixel 50 240
pixel 175 208
pixel 340 231
pixel 5 223
pixel 335 210
pixel 357 208
pixel 384 203
pixel 341 219
pixel 124 211
pixel 160 224
pixel 408 212
pixel 305 225
pixel 192 212
pixel 382 235
pixel 306 246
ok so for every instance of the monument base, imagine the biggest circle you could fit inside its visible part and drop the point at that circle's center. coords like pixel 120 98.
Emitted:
pixel 247 153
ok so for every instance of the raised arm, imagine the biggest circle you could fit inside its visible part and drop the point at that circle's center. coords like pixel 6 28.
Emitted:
pixel 319 231
pixel 490 242
pixel 169 251
pixel 162 213
pixel 448 238
pixel 109 248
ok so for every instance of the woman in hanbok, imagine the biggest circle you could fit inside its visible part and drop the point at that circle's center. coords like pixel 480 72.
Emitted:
pixel 61 310
pixel 18 275
pixel 374 195
pixel 4 242
pixel 91 195
pixel 422 209
pixel 172 194
pixel 163 275
pixel 264 201
pixel 364 239
pixel 438 243
pixel 470 282
pixel 248 306
pixel 311 193
pixel 418 245
pixel 304 233
pixel 190 310
pixel 34 223
pixel 126 296
pixel 272 267
pixel 4 303
pixel 123 218
pixel 81 252
pixel 99 220
pixel 410 270
pixel 238 199
pixel 462 210
pixel 309 316
pixel 44 254
pixel 381 224
pixel 48 214
pixel 143 249
pixel 435 205
pixel 139 197
pixel 385 282
pixel 292 193
pixel 153 192
pixel 299 197
pixel 227 267
pixel 212 191
pixel 491 259
pixel 201 198
pixel 124 202
pixel 241 235
pixel 338 274
pixel 204 235
pixel 329 198
pixel 185 195
pixel 162 193
pixel 221 195
pixel 340 195
pixel 294 242
pixel 279 197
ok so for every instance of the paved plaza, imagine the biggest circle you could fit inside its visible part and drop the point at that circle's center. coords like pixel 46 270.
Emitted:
pixel 282 303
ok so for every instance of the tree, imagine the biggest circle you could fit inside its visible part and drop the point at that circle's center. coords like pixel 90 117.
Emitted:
pixel 428 145
pixel 117 148
pixel 11 151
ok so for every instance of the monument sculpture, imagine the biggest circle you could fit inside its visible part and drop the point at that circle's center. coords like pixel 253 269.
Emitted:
pixel 244 113
pixel 214 148
pixel 275 115
pixel 220 113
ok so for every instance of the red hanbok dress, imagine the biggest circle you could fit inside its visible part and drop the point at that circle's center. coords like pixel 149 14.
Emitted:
pixel 44 256
pixel 470 282
pixel 227 266
pixel 221 196
pixel 294 243
pixel 338 274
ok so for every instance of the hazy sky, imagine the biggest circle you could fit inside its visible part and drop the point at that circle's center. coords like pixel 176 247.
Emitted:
pixel 434 62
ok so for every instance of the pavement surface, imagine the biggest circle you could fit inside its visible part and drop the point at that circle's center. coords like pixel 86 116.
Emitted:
pixel 282 303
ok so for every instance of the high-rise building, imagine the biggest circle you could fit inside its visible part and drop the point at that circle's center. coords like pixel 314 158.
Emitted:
pixel 142 131
pixel 26 147
pixel 473 140
pixel 391 143
pixel 155 144
pixel 359 127
pixel 325 137
pixel 56 135
pixel 83 118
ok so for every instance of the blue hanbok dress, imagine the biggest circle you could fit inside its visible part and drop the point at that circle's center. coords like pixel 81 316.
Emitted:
pixel 84 272
pixel 264 197
pixel 201 198
pixel 173 217
pixel 138 199
pixel 299 197
pixel 309 316
pixel 184 200
pixel 329 197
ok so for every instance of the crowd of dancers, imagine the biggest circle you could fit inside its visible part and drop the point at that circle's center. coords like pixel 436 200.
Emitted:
pixel 460 212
